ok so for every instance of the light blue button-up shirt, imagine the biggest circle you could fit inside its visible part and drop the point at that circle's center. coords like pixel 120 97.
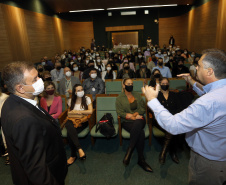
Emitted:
pixel 204 121
pixel 165 71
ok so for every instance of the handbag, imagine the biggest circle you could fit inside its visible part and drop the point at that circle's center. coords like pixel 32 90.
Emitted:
pixel 105 125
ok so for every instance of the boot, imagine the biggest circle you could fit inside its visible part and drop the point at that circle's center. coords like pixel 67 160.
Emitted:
pixel 174 157
pixel 173 150
pixel 142 163
pixel 162 155
pixel 127 157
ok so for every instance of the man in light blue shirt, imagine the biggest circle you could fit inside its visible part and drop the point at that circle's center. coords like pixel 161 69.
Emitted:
pixel 204 122
pixel 165 71
pixel 159 54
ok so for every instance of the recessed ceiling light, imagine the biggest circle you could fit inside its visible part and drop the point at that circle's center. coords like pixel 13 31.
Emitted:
pixel 89 10
pixel 150 6
pixel 187 4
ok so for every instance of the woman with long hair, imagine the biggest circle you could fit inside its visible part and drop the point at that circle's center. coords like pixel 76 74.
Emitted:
pixel 171 102
pixel 50 100
pixel 155 78
pixel 109 73
pixel 130 107
pixel 78 104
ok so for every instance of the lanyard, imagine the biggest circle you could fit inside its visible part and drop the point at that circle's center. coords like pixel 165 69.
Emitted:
pixel 67 83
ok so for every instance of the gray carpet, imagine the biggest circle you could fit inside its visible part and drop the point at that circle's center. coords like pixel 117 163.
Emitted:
pixel 103 166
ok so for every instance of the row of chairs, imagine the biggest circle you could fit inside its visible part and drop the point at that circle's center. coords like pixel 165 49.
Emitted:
pixel 105 103
pixel 115 86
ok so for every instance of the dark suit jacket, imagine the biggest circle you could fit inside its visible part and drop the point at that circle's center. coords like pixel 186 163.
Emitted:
pixel 34 143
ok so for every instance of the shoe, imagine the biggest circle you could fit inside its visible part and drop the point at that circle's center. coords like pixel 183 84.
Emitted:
pixel 7 162
pixel 174 158
pixel 72 162
pixel 127 157
pixel 5 154
pixel 145 166
pixel 82 158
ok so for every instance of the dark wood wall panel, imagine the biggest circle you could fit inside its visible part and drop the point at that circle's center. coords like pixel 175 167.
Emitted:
pixel 176 26
pixel 5 51
pixel 81 34
pixel 41 36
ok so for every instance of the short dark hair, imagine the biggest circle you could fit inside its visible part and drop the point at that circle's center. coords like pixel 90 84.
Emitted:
pixel 215 59
pixel 13 74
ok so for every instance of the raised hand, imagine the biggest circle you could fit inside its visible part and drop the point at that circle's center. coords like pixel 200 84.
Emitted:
pixel 151 93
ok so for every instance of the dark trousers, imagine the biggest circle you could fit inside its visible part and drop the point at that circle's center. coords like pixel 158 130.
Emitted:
pixel 72 134
pixel 203 171
pixel 137 137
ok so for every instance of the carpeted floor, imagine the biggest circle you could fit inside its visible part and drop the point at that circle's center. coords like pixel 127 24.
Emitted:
pixel 103 166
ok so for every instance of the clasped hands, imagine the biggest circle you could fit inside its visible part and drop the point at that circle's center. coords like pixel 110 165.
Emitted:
pixel 133 116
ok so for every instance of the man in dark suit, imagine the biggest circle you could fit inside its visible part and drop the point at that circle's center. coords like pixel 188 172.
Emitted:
pixel 33 137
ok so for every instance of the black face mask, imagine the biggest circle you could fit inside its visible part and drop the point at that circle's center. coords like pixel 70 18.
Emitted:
pixel 160 63
pixel 48 79
pixel 164 87
pixel 154 59
pixel 180 66
pixel 40 69
pixel 143 66
pixel 58 67
pixel 157 75
pixel 171 60
pixel 126 68
pixel 91 66
pixel 129 88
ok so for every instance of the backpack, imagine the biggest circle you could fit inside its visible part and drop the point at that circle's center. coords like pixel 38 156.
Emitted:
pixel 105 125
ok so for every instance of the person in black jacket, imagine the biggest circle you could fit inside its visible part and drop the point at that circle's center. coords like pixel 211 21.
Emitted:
pixel 88 69
pixel 126 72
pixel 170 101
pixel 179 68
pixel 33 137
pixel 143 71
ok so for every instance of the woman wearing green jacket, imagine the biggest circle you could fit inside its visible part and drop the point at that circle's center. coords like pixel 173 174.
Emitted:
pixel 131 107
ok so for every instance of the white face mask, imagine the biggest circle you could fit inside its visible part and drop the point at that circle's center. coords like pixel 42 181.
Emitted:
pixel 90 58
pixel 68 73
pixel 93 75
pixel 87 61
pixel 108 68
pixel 164 54
pixel 87 54
pixel 173 52
pixel 185 52
pixel 79 58
pixel 192 56
pixel 75 68
pixel 38 87
pixel 139 56
pixel 80 94
pixel 138 50
pixel 159 53
pixel 97 55
pixel 72 63
pixel 148 49
pixel 98 60
pixel 43 63
pixel 110 51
